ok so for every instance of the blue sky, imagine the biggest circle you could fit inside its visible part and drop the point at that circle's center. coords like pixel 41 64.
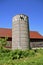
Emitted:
pixel 32 8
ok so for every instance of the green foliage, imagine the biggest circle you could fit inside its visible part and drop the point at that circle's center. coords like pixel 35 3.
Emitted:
pixel 3 42
pixel 21 57
pixel 31 53
pixel 17 54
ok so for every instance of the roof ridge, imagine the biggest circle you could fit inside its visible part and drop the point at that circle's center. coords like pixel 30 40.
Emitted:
pixel 6 28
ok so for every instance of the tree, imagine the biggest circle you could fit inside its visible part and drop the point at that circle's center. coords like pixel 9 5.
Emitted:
pixel 3 42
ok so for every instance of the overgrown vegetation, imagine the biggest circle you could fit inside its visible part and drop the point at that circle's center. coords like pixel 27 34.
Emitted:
pixel 3 42
pixel 20 57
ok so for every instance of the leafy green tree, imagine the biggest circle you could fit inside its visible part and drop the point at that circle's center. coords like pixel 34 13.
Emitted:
pixel 3 42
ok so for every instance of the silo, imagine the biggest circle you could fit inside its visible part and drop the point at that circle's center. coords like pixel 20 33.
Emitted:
pixel 20 32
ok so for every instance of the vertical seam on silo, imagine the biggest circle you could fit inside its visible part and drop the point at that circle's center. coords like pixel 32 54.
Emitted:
pixel 19 34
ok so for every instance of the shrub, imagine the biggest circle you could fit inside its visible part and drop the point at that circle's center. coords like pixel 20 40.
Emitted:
pixel 23 57
pixel 3 42
pixel 31 53
pixel 35 50
pixel 5 50
pixel 25 53
pixel 17 54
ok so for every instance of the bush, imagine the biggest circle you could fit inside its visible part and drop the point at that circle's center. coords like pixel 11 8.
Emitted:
pixel 31 53
pixel 5 50
pixel 25 53
pixel 21 57
pixel 17 54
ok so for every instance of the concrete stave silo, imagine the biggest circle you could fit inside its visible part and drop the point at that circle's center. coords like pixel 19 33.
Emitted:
pixel 20 32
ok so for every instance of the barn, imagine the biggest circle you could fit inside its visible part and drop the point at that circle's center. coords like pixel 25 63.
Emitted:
pixel 36 39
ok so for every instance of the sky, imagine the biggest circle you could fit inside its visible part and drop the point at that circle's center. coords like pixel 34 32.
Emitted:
pixel 32 8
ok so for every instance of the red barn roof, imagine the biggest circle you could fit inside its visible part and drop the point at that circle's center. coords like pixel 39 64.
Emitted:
pixel 34 34
pixel 4 32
